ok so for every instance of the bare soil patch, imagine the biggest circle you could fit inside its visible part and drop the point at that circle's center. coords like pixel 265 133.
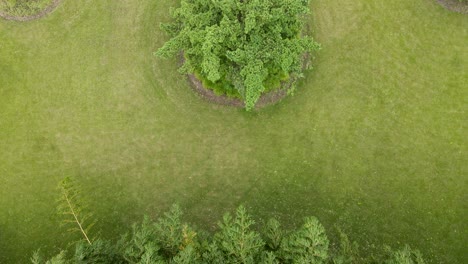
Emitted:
pixel 454 5
pixel 41 14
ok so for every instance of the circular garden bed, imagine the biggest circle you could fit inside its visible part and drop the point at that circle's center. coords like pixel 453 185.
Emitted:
pixel 269 98
pixel 209 95
pixel 26 10
pixel 249 51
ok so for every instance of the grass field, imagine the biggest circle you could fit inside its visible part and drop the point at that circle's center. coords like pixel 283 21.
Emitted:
pixel 373 141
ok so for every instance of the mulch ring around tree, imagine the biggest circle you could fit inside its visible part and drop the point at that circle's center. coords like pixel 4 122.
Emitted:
pixel 454 5
pixel 42 13
pixel 266 99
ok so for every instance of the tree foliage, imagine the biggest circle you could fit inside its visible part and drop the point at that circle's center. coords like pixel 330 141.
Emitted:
pixel 245 46
pixel 236 242
pixel 405 256
pixel 309 244
pixel 169 240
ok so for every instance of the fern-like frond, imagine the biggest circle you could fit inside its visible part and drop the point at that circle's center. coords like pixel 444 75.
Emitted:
pixel 73 209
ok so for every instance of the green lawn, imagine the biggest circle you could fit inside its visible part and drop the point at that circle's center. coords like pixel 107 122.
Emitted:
pixel 373 141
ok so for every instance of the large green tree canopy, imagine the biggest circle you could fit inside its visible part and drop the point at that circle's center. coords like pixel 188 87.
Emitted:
pixel 245 46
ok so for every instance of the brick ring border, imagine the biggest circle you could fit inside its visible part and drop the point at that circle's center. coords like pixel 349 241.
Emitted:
pixel 41 14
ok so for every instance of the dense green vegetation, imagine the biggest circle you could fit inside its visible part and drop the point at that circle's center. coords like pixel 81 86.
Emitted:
pixel 170 240
pixel 373 141
pixel 240 47
pixel 22 8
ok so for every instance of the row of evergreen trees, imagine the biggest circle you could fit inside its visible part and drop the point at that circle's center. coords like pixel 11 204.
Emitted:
pixel 170 240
